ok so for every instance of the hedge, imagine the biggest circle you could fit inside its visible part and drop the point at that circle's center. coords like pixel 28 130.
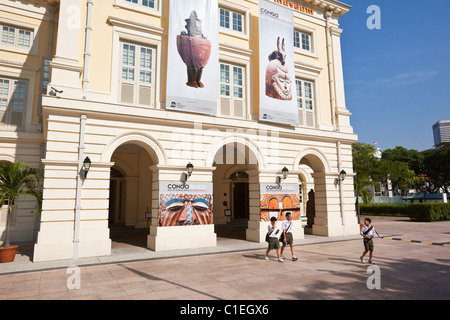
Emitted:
pixel 425 212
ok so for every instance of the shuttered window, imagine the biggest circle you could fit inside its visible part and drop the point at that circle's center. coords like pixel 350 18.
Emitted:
pixel 13 94
pixel 137 78
pixel 232 88
pixel 305 102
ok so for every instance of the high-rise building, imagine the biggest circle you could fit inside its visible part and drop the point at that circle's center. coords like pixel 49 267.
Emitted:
pixel 441 132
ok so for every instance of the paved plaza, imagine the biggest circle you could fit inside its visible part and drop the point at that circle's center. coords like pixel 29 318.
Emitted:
pixel 327 269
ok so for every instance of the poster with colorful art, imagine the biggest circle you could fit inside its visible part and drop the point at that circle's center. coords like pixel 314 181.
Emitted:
pixel 277 199
pixel 193 56
pixel 185 204
pixel 278 97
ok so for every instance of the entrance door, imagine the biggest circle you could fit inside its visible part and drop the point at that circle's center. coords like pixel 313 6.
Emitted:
pixel 241 200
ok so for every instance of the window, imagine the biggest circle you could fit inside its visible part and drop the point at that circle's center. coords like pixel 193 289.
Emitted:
pixel 16 37
pixel 145 3
pixel 12 102
pixel 232 99
pixel 231 20
pixel 305 102
pixel 302 40
pixel 137 69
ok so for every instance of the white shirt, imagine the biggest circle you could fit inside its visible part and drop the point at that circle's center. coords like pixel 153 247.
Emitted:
pixel 287 226
pixel 273 233
pixel 370 234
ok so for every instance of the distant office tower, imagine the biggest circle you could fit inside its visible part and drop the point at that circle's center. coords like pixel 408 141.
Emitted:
pixel 441 132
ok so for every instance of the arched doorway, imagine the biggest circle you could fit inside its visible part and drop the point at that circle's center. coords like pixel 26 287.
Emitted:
pixel 232 185
pixel 130 195
pixel 313 182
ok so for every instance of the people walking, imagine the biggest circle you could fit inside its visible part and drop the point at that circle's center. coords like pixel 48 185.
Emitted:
pixel 272 239
pixel 287 236
pixel 368 232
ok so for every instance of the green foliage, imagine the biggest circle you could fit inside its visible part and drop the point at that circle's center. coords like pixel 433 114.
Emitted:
pixel 424 212
pixel 18 179
pixel 428 212
pixel 379 209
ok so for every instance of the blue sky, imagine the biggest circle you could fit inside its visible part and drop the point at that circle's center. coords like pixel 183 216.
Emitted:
pixel 397 78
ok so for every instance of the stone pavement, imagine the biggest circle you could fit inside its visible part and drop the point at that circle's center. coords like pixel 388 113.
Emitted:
pixel 329 268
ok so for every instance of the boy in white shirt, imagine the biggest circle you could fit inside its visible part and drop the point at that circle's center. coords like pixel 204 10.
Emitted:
pixel 368 233
pixel 273 241
pixel 287 236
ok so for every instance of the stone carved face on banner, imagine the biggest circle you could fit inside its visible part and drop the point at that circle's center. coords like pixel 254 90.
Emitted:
pixel 185 209
pixel 278 79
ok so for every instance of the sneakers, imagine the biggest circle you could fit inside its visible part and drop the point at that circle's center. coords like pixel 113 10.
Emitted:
pixel 280 259
pixel 267 257
pixel 362 259
pixel 294 258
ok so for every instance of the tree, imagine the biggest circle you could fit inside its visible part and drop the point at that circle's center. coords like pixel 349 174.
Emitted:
pixel 364 165
pixel 437 167
pixel 17 179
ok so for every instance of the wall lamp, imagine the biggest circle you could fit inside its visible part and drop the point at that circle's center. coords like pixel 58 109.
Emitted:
pixel 86 166
pixel 342 175
pixel 189 168
pixel 284 172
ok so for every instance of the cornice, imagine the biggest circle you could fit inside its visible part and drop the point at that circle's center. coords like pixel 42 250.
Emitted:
pixel 336 7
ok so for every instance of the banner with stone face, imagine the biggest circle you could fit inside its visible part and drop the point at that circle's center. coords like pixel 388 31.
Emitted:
pixel 193 56
pixel 278 97
pixel 278 199
pixel 185 204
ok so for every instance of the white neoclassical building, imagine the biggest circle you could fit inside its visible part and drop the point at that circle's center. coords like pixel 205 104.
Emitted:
pixel 87 79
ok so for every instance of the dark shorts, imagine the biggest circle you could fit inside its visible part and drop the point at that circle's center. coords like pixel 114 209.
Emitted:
pixel 289 238
pixel 368 244
pixel 274 243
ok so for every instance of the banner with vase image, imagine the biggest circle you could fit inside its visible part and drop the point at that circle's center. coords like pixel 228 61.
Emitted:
pixel 278 96
pixel 193 56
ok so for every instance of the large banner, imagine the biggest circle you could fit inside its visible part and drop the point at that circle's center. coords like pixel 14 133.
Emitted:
pixel 278 199
pixel 278 97
pixel 193 56
pixel 185 204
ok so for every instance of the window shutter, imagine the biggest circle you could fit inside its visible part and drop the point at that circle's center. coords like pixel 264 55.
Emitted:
pixel 16 118
pixel 225 106
pixel 145 95
pixel 127 93
pixel 239 109
pixel 309 119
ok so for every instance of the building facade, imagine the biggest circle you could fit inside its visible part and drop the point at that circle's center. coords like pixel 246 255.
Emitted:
pixel 88 79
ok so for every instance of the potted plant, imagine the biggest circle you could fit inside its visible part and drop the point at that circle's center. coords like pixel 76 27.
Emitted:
pixel 16 179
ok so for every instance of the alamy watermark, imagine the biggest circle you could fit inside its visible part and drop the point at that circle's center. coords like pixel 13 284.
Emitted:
pixel 374 21
pixel 374 281
pixel 73 281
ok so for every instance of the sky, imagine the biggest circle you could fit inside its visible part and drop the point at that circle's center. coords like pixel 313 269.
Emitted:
pixel 397 78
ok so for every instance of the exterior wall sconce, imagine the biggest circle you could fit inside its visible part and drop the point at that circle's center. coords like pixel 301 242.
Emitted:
pixel 342 175
pixel 189 168
pixel 86 167
pixel 284 172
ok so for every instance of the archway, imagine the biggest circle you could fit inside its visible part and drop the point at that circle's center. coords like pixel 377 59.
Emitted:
pixel 130 194
pixel 312 180
pixel 232 184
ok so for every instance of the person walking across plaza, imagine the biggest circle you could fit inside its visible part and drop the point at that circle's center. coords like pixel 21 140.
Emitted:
pixel 367 231
pixel 287 236
pixel 273 242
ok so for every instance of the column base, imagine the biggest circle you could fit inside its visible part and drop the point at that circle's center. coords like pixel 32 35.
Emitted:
pixel 181 237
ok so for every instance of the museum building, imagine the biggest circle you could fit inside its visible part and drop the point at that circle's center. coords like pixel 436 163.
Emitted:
pixel 178 116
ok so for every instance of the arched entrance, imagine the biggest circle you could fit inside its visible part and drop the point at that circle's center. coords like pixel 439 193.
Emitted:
pixel 130 194
pixel 232 185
